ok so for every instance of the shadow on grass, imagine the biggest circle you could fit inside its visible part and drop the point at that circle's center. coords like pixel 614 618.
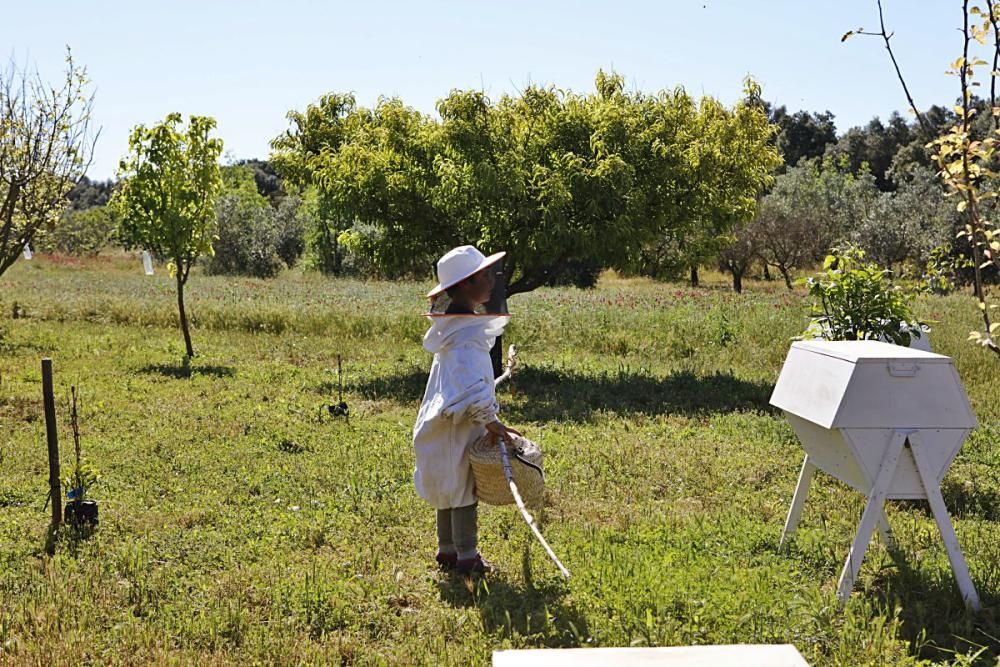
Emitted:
pixel 13 499
pixel 536 613
pixel 546 393
pixel 186 370
pixel 933 615
pixel 980 499
pixel 69 535
pixel 19 408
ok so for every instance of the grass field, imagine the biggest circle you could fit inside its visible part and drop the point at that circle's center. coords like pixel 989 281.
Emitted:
pixel 240 526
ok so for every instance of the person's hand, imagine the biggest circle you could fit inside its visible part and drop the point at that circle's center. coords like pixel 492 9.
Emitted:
pixel 498 429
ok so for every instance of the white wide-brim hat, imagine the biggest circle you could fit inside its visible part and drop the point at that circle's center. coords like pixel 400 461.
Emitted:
pixel 458 264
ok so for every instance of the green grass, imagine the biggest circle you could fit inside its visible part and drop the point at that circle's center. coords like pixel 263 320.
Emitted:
pixel 240 526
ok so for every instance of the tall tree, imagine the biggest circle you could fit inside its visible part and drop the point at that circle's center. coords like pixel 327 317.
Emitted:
pixel 381 184
pixel 301 151
pixel 720 161
pixel 567 183
pixel 874 146
pixel 45 148
pixel 543 174
pixel 166 201
pixel 802 134
pixel 810 208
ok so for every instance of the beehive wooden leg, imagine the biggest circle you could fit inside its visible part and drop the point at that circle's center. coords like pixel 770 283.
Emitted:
pixel 958 565
pixel 874 510
pixel 798 500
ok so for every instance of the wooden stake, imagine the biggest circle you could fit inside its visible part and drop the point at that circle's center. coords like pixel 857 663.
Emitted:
pixel 52 436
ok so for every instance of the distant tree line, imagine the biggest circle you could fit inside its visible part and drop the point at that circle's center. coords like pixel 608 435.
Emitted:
pixel 570 184
pixel 874 187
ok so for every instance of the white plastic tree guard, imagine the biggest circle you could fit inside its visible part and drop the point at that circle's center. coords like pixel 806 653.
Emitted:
pixel 884 419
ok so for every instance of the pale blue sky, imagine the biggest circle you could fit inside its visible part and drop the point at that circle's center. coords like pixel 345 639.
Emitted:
pixel 247 63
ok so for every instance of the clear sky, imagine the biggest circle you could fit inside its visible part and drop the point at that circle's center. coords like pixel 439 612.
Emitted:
pixel 247 63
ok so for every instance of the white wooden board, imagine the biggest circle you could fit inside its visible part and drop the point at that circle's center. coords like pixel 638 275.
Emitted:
pixel 743 655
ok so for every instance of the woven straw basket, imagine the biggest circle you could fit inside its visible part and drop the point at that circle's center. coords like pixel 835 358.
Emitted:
pixel 525 463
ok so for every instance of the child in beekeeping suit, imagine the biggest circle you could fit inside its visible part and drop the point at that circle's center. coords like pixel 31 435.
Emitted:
pixel 459 403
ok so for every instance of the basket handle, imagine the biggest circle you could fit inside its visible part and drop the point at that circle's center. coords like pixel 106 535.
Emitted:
pixel 519 455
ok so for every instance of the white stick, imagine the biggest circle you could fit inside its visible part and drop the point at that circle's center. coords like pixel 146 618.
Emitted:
pixel 147 263
pixel 511 363
pixel 524 511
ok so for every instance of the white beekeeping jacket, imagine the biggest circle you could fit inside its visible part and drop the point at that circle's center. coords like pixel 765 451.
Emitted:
pixel 458 402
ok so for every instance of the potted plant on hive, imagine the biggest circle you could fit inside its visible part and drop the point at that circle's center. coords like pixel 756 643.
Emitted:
pixel 856 300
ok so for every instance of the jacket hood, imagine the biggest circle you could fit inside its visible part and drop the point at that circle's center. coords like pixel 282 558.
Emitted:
pixel 447 332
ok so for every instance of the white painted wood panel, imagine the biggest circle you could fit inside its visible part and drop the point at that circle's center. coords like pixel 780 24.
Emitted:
pixel 744 655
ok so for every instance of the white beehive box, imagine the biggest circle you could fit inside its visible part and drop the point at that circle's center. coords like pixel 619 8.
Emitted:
pixel 845 399
pixel 885 419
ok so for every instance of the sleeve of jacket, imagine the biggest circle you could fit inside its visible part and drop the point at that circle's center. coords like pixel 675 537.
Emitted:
pixel 472 396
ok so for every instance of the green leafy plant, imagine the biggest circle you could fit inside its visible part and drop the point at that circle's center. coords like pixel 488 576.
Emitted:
pixel 856 300
pixel 80 480
pixel 941 271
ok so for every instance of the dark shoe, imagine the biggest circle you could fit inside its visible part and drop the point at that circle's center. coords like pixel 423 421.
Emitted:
pixel 473 566
pixel 446 561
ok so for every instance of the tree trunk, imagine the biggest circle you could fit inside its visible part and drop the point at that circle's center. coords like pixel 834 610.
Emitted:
pixel 694 276
pixel 784 274
pixel 183 314
pixel 767 272
pixel 498 304
pixel 338 257
pixel 738 282
pixel 329 251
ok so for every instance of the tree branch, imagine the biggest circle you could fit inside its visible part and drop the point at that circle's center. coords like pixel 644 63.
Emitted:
pixel 924 125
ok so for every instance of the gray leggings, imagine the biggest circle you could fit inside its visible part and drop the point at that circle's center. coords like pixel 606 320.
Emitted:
pixel 457 531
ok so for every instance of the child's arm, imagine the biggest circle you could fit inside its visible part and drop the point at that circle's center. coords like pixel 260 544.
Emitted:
pixel 474 399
